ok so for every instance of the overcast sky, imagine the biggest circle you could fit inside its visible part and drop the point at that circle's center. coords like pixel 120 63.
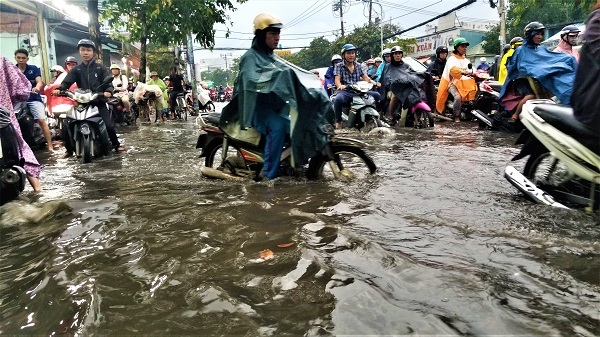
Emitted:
pixel 305 20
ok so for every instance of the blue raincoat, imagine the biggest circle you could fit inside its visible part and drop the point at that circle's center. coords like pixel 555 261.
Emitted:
pixel 555 71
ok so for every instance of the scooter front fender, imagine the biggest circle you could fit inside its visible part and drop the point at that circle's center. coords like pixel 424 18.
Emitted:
pixel 531 145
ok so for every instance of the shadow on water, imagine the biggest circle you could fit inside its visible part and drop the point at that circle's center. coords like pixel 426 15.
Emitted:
pixel 436 243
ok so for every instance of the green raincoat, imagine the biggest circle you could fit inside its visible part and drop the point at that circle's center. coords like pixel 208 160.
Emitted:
pixel 295 93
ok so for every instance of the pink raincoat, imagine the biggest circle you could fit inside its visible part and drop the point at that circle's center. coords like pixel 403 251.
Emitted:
pixel 14 87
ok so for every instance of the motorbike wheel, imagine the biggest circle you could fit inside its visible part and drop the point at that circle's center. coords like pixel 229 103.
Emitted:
pixel 352 162
pixel 87 149
pixel 151 113
pixel 370 124
pixel 210 106
pixel 554 177
pixel 214 157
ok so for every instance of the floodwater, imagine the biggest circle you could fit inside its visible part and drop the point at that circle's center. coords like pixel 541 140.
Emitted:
pixel 436 243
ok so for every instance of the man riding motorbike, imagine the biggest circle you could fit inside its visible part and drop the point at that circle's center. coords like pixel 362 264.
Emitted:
pixel 555 71
pixel 456 80
pixel 347 73
pixel 586 105
pixel 568 39
pixel 89 76
pixel 269 97
pixel 436 68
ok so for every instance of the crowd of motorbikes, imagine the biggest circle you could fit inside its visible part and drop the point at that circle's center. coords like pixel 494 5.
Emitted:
pixel 562 169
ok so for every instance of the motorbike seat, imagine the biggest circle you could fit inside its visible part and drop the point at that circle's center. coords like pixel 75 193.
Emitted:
pixel 212 118
pixel 562 118
pixel 497 86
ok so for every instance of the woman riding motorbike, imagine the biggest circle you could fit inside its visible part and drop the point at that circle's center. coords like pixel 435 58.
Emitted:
pixel 456 80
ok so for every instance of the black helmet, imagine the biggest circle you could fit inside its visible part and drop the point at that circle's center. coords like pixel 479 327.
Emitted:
pixel 570 29
pixel 86 43
pixel 396 49
pixel 441 49
pixel 70 59
pixel 516 40
pixel 533 28
pixel 505 48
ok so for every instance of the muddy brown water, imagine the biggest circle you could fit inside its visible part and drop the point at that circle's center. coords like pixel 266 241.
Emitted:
pixel 436 243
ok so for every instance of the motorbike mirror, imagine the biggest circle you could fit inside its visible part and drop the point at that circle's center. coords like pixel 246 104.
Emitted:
pixel 470 66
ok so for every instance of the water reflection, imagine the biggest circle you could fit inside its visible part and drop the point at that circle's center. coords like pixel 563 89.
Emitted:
pixel 437 243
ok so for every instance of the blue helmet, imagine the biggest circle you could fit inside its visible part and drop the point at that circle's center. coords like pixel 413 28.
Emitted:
pixel 347 47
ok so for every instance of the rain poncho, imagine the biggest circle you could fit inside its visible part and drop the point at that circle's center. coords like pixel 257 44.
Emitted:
pixel 295 93
pixel 586 104
pixel 555 71
pixel 405 85
pixel 452 74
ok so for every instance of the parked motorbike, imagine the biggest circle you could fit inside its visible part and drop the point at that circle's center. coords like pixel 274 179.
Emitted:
pixel 12 174
pixel 241 158
pixel 563 168
pixel 362 112
pixel 87 136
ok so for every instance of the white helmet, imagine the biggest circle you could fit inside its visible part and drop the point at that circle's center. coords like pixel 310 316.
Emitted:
pixel 58 68
pixel 483 59
pixel 336 57
pixel 386 51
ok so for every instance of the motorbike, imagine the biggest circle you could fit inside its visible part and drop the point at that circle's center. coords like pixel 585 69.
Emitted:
pixel 30 129
pixel 563 168
pixel 414 90
pixel 183 109
pixel 362 112
pixel 241 158
pixel 208 105
pixel 12 174
pixel 86 132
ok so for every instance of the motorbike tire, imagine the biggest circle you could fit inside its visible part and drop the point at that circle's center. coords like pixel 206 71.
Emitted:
pixel 553 176
pixel 346 158
pixel 214 155
pixel 9 193
pixel 151 113
pixel 210 106
pixel 370 124
pixel 86 146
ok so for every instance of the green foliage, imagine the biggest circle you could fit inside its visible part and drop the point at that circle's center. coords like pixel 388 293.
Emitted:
pixel 408 45
pixel 160 59
pixel 492 41
pixel 220 76
pixel 168 21
pixel 318 54
pixel 549 12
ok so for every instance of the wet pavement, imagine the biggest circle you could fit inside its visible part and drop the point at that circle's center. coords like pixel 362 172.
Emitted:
pixel 435 243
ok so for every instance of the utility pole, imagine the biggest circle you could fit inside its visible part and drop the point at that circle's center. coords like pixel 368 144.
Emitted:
pixel 502 12
pixel 342 17
pixel 190 59
pixel 501 7
pixel 370 10
pixel 226 66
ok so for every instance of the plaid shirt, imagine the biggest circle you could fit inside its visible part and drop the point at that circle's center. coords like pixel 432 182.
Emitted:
pixel 346 77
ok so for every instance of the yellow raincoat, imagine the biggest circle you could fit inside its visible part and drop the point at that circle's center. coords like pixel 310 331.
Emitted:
pixel 452 74
pixel 502 71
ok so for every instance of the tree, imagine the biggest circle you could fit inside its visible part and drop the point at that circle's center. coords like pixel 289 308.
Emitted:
pixel 159 59
pixel 167 22
pixel 318 54
pixel 548 12
pixel 94 28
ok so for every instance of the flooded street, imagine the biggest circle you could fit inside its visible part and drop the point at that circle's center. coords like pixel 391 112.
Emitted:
pixel 437 242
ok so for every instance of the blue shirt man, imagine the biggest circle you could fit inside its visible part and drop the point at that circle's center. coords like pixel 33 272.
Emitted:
pixel 35 103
